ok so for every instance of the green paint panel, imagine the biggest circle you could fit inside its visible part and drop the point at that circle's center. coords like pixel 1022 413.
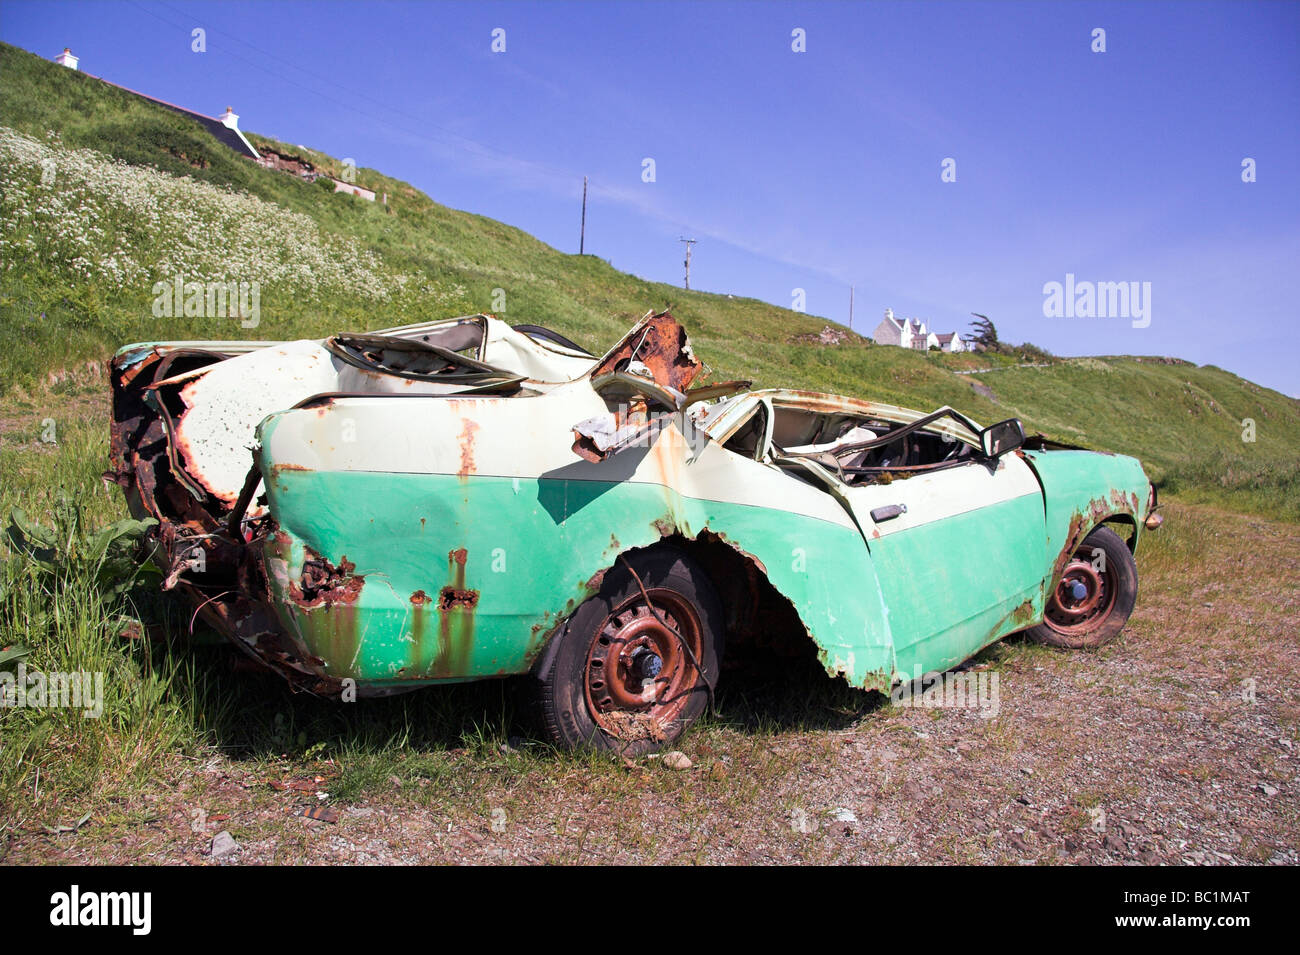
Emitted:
pixel 530 547
pixel 957 584
pixel 429 613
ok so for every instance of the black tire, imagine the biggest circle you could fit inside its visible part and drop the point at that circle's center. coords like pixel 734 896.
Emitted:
pixel 607 651
pixel 1105 570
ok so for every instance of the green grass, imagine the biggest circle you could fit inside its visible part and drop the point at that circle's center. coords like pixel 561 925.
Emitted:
pixel 173 697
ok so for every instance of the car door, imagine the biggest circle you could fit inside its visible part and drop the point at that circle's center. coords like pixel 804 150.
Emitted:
pixel 958 555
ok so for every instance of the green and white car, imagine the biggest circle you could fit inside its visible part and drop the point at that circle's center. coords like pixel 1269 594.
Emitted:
pixel 462 500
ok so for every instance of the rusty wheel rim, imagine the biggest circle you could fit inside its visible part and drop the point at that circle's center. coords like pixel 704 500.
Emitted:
pixel 639 676
pixel 1082 598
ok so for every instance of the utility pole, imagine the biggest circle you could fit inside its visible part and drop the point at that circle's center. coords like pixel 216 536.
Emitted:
pixel 850 308
pixel 582 236
pixel 689 243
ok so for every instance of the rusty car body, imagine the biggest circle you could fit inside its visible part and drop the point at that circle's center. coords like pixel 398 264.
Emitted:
pixel 463 500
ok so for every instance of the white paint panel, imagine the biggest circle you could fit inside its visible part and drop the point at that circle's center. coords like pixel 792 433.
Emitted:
pixel 227 402
pixel 942 494
pixel 524 438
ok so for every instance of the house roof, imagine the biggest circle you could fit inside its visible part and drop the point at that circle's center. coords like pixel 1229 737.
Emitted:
pixel 232 138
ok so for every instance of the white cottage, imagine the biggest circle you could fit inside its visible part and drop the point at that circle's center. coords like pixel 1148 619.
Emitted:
pixel 912 333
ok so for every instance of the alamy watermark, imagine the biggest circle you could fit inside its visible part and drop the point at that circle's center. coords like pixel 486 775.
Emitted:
pixel 38 690
pixel 132 910
pixel 1074 299
pixel 178 298
pixel 966 690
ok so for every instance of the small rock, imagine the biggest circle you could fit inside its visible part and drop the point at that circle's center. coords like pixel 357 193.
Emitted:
pixel 1113 843
pixel 1026 770
pixel 395 782
pixel 223 845
pixel 677 760
pixel 840 814
pixel 1266 789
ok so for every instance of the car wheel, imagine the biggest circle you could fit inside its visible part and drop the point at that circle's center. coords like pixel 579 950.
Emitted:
pixel 1094 597
pixel 636 663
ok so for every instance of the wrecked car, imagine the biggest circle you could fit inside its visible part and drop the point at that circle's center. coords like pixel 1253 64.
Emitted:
pixel 463 500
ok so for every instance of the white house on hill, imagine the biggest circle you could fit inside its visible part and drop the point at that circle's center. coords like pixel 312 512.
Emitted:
pixel 912 333
pixel 224 128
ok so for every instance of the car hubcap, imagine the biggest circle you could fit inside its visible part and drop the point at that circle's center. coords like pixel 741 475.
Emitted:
pixel 1082 598
pixel 639 676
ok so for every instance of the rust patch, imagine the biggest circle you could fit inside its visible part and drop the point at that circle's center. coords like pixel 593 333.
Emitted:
pixel 418 659
pixel 1082 523
pixel 660 344
pixel 1018 619
pixel 456 605
pixel 323 583
pixel 449 598
pixel 467 432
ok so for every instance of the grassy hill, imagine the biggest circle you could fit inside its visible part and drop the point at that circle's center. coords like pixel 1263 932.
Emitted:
pixel 103 194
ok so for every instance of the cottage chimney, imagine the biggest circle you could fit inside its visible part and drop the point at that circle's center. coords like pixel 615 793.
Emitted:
pixel 66 59
pixel 889 314
pixel 230 118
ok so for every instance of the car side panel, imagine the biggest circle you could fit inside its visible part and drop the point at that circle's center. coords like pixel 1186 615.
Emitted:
pixel 467 563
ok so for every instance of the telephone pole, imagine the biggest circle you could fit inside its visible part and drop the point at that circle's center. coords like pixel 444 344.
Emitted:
pixel 689 243
pixel 850 308
pixel 582 236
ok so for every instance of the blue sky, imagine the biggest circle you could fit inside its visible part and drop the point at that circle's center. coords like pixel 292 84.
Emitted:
pixel 810 170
